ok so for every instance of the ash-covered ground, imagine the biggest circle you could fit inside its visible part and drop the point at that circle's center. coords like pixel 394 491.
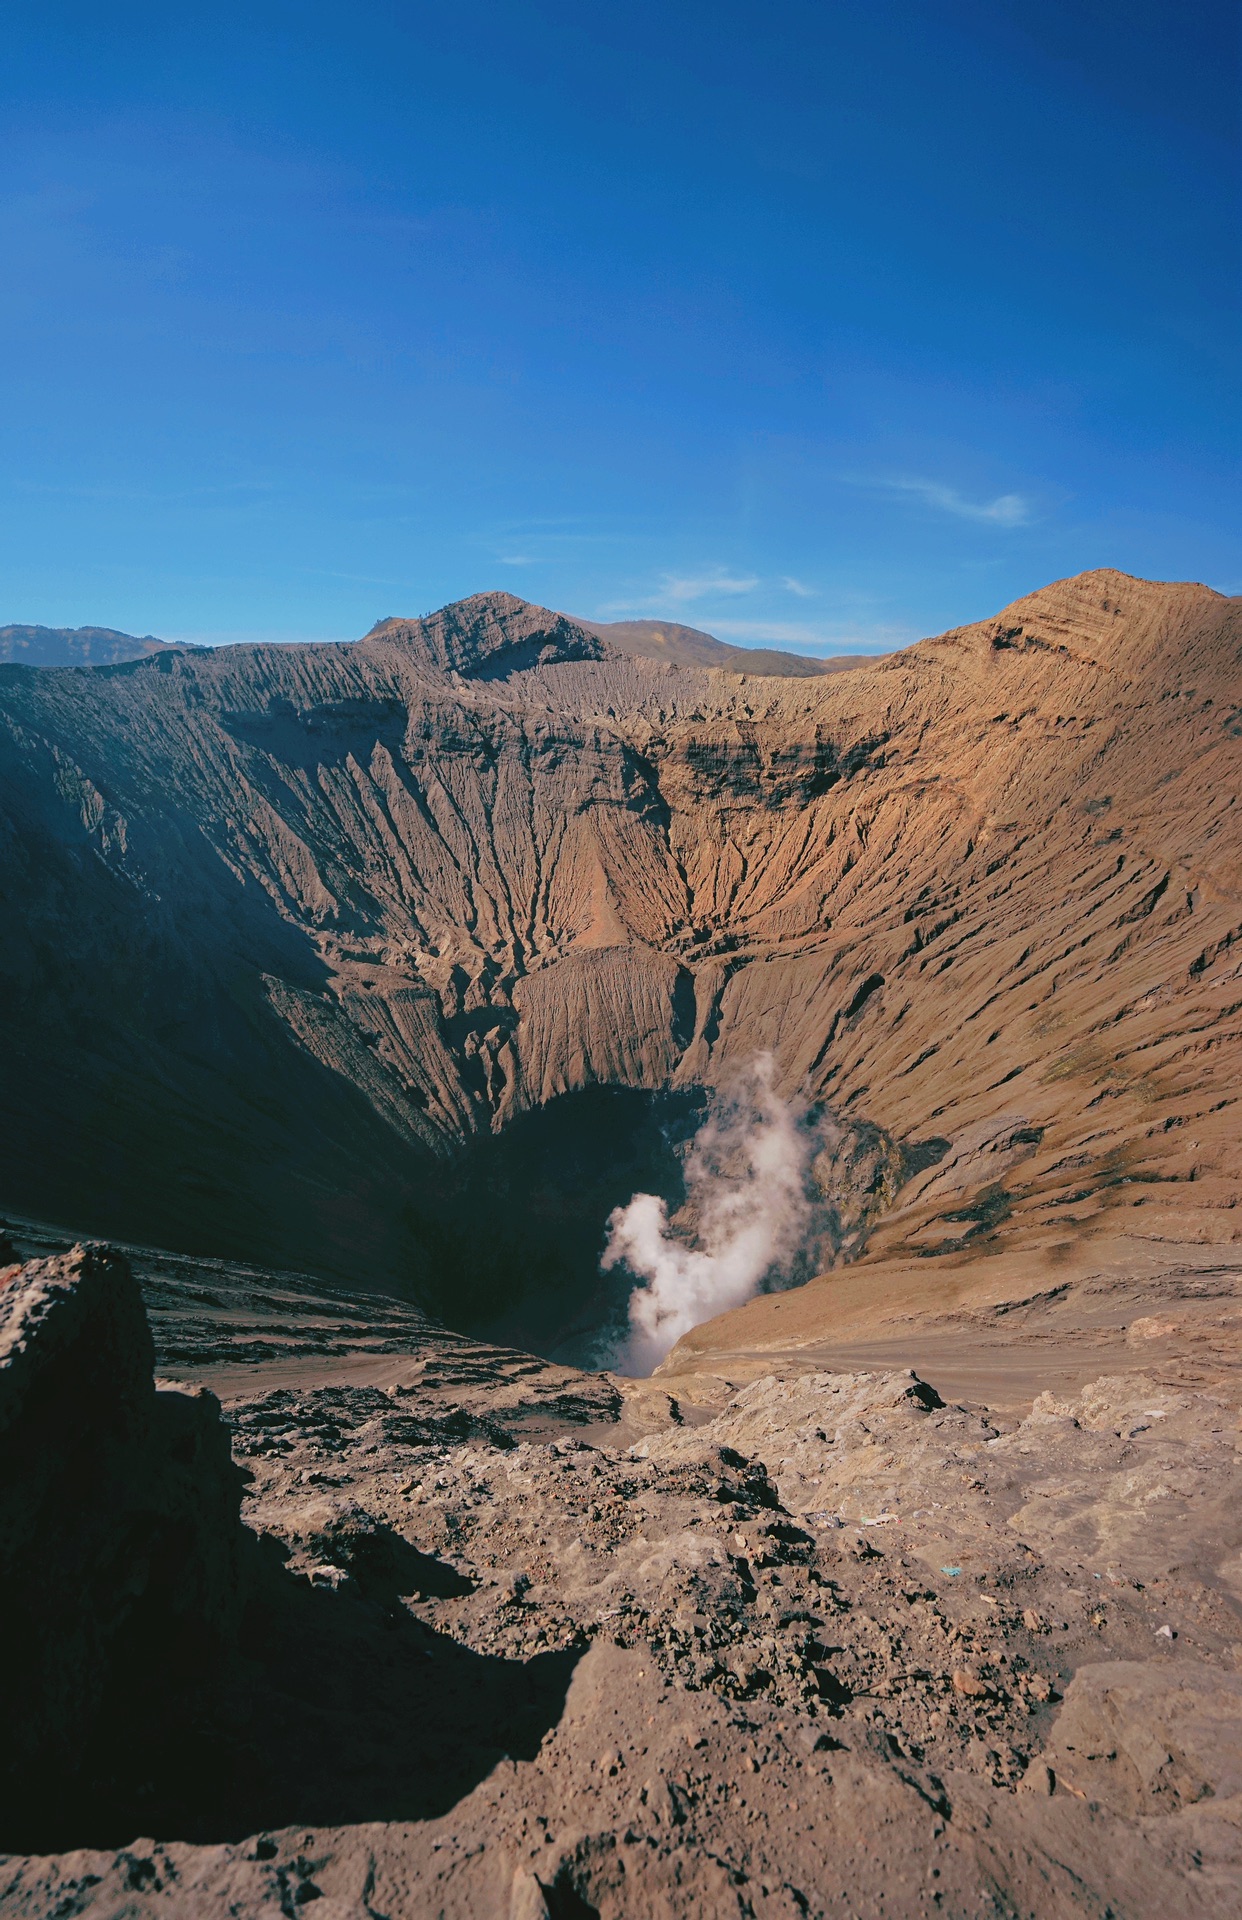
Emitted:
pixel 526 1642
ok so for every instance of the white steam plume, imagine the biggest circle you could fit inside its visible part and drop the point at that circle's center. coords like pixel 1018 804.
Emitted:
pixel 746 1187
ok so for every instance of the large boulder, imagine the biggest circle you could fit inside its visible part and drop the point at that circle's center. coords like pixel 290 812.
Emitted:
pixel 120 1540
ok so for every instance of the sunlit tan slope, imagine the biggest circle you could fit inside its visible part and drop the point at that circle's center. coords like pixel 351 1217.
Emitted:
pixel 296 920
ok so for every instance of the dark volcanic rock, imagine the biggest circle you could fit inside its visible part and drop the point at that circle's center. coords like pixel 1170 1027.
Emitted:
pixel 119 1534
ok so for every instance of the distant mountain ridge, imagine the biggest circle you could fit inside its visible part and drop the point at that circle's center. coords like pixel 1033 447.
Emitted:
pixel 35 646
pixel 493 634
pixel 690 647
pixel 54 647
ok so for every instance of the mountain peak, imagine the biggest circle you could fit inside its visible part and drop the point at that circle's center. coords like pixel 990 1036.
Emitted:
pixel 490 635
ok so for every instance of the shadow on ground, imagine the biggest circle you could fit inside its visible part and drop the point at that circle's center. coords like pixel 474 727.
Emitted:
pixel 339 1708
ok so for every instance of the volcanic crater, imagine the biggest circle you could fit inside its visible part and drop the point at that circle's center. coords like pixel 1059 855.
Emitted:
pixel 349 990
pixel 297 924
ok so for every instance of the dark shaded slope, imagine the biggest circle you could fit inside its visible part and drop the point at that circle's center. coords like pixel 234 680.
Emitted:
pixel 146 1082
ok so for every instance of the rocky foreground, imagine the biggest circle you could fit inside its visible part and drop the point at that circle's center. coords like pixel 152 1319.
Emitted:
pixel 511 1640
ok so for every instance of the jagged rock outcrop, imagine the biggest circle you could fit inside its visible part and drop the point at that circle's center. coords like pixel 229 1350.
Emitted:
pixel 829 1644
pixel 305 918
pixel 120 1540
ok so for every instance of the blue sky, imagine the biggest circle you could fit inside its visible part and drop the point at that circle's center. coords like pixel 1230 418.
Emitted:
pixel 800 321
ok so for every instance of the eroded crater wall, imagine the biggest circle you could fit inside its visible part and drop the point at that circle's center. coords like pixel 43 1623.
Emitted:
pixel 302 920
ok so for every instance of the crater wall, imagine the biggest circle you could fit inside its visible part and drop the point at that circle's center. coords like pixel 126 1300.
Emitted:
pixel 292 923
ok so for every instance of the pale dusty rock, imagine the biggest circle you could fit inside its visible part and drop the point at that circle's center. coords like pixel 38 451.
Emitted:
pixel 528 1900
pixel 1144 1738
pixel 840 1646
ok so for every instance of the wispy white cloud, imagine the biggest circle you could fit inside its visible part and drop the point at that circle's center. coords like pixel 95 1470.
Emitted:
pixel 546 541
pixel 793 632
pixel 356 579
pixel 677 589
pixel 844 634
pixel 516 560
pixel 1006 510
pixel 702 586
